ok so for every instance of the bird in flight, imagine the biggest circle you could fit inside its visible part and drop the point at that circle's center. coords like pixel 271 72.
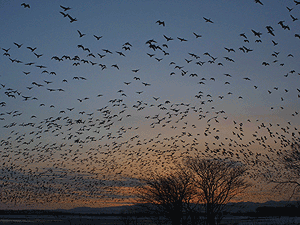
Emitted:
pixel 208 20
pixel 32 49
pixel 270 30
pixel 65 8
pixel 160 22
pixel 64 14
pixel 107 51
pixel 168 38
pixel 25 5
pixel 197 35
pixel 293 18
pixel 120 53
pixel 229 49
pixel 146 84
pixel 71 18
pixel 258 34
pixel 18 45
pixel 274 43
pixel 98 37
pixel 115 65
pixel 259 2
pixel 181 39
pixel 80 34
pixel 38 55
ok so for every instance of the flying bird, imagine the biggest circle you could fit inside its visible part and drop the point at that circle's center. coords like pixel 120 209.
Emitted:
pixel 80 34
pixel 293 18
pixel 208 20
pixel 259 2
pixel 107 51
pixel 168 38
pixel 160 22
pixel 98 37
pixel 25 5
pixel 31 49
pixel 115 65
pixel 18 45
pixel 274 43
pixel 65 8
pixel 197 35
pixel 64 14
pixel 181 39
pixel 270 30
pixel 258 34
pixel 71 18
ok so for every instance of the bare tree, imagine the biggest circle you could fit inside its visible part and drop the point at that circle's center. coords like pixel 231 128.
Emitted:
pixel 288 177
pixel 217 182
pixel 169 194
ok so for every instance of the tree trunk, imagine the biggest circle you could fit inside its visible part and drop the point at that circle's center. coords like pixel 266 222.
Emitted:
pixel 211 220
pixel 210 216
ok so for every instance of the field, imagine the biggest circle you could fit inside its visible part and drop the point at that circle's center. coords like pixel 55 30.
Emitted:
pixel 110 220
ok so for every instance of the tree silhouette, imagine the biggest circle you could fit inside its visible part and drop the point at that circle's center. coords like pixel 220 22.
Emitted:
pixel 217 182
pixel 212 183
pixel 289 177
pixel 168 194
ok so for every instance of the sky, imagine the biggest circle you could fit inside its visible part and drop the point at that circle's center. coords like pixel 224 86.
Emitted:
pixel 92 101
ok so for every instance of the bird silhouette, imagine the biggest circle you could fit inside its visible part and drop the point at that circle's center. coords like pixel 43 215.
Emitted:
pixel 160 22
pixel 64 14
pixel 71 18
pixel 80 34
pixel 31 49
pixel 65 8
pixel 259 2
pixel 98 37
pixel 197 35
pixel 293 18
pixel 25 5
pixel 168 38
pixel 18 45
pixel 181 39
pixel 258 34
pixel 208 20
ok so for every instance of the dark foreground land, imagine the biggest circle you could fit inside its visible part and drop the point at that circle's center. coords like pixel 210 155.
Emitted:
pixel 116 220
pixel 263 215
pixel 61 220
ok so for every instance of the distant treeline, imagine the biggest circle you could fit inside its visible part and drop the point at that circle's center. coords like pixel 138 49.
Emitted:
pixel 290 210
pixel 47 212
pixel 33 212
pixel 262 211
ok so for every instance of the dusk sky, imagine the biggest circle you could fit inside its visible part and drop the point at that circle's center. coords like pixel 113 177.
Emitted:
pixel 98 95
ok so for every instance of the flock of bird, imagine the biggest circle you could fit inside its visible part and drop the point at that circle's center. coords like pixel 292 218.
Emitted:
pixel 77 155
